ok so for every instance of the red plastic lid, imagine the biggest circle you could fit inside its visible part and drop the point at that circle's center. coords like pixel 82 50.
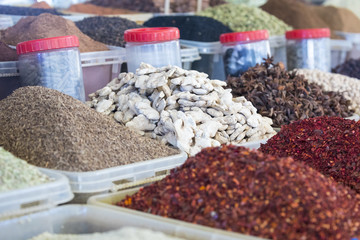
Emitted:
pixel 308 33
pixel 244 36
pixel 47 44
pixel 152 34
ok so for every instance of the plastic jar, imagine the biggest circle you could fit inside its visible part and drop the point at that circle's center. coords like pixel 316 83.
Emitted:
pixel 156 46
pixel 52 63
pixel 242 50
pixel 308 48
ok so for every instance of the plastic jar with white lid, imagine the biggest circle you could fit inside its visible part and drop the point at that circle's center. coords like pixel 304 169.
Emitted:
pixel 53 63
pixel 156 46
pixel 308 48
pixel 242 50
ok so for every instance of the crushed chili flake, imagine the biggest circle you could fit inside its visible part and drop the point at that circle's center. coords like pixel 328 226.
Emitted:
pixel 246 191
pixel 330 145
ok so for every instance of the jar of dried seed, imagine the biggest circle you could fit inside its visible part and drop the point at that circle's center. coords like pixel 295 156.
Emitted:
pixel 156 46
pixel 308 48
pixel 242 50
pixel 52 63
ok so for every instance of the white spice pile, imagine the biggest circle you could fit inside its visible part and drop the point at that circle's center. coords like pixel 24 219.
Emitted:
pixel 53 130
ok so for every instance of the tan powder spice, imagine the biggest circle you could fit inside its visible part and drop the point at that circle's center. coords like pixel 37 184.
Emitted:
pixel 98 10
pixel 53 130
pixel 47 25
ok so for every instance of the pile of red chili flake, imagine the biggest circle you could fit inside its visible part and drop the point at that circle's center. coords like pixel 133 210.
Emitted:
pixel 246 191
pixel 330 145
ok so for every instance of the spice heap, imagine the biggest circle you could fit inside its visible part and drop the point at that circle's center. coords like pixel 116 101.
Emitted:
pixel 45 26
pixel 182 6
pixel 16 173
pixel 42 4
pixel 183 108
pixel 54 130
pixel 240 18
pixel 195 28
pixel 347 86
pixel 26 11
pixel 328 144
pixel 106 30
pixel 7 53
pixel 286 97
pixel 349 68
pixel 135 5
pixel 126 233
pixel 98 10
pixel 245 191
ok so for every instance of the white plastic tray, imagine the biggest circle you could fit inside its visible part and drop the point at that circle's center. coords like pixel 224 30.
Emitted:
pixel 183 229
pixel 106 179
pixel 25 200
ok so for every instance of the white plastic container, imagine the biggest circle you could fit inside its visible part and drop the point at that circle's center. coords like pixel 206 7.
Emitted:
pixel 309 49
pixel 278 48
pixel 185 229
pixel 156 46
pixel 340 50
pixel 99 68
pixel 211 58
pixel 188 56
pixel 354 39
pixel 243 50
pixel 85 219
pixel 86 184
pixel 52 63
pixel 43 196
pixel 9 78
pixel 5 22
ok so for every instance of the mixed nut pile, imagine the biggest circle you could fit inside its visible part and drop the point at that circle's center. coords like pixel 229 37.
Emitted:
pixel 183 108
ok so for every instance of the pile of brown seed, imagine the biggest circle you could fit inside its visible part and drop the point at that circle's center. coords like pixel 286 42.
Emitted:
pixel 286 97
pixel 52 130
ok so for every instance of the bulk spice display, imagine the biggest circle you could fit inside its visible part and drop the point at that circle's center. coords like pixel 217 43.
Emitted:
pixel 242 18
pixel 135 5
pixel 106 30
pixel 194 28
pixel 26 11
pixel 286 97
pixel 16 173
pixel 180 107
pixel 235 189
pixel 46 26
pixel 349 68
pixel 328 144
pixel 53 130
pixel 347 86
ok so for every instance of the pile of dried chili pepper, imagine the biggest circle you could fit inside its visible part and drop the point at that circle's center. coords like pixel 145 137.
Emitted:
pixel 330 145
pixel 246 191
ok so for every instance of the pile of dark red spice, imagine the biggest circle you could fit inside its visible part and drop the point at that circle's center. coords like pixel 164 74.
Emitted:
pixel 330 145
pixel 246 191
pixel 286 97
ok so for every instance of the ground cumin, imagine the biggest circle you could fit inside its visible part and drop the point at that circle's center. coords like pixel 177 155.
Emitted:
pixel 47 25
pixel 53 130
pixel 98 10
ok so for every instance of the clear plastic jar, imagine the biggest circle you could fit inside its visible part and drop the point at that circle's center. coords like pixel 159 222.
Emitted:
pixel 52 63
pixel 242 50
pixel 156 46
pixel 308 48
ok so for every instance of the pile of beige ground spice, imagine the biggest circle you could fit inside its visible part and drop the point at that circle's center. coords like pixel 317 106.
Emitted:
pixel 53 130
pixel 45 26
pixel 98 10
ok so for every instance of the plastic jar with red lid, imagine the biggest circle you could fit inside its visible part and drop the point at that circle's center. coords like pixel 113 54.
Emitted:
pixel 156 46
pixel 242 50
pixel 53 63
pixel 309 49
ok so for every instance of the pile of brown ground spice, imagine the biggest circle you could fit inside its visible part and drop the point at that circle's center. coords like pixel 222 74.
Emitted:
pixel 41 4
pixel 98 10
pixel 53 130
pixel 236 189
pixel 47 25
pixel 7 53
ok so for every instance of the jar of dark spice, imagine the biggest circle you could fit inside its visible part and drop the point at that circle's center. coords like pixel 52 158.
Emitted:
pixel 242 50
pixel 52 63
pixel 156 46
pixel 308 48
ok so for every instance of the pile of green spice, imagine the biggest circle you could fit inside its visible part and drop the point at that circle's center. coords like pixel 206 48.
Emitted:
pixel 53 130
pixel 330 145
pixel 286 97
pixel 16 173
pixel 236 189
pixel 240 18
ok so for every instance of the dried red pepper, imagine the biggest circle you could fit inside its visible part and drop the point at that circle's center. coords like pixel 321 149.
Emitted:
pixel 236 189
pixel 331 145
